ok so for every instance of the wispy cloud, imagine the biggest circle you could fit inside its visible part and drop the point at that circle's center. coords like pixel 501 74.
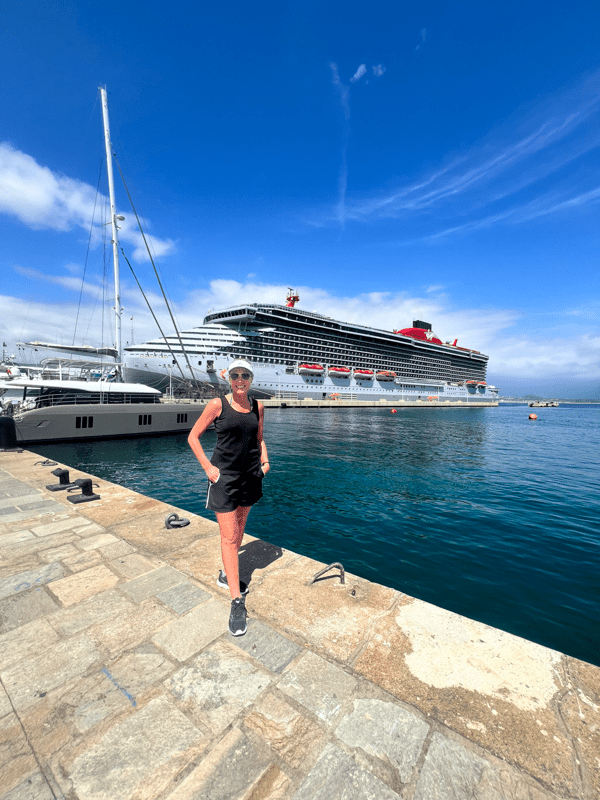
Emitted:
pixel 344 98
pixel 343 92
pixel 528 168
pixel 73 284
pixel 41 198
pixel 423 37
pixel 359 73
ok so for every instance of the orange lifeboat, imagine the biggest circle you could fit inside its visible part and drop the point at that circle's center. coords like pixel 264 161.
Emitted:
pixel 311 369
pixel 363 374
pixel 385 375
pixel 471 383
pixel 339 372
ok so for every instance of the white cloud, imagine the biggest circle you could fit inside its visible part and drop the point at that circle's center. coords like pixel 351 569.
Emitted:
pixel 378 70
pixel 358 74
pixel 40 199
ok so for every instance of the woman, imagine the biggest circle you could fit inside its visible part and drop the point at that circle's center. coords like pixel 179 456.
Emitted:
pixel 235 472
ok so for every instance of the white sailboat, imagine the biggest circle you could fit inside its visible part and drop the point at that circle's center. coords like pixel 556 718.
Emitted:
pixel 92 404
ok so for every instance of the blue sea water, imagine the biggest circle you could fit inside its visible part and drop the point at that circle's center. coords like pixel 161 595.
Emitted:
pixel 480 511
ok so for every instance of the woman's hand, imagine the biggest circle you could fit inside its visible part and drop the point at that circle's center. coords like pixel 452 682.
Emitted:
pixel 213 473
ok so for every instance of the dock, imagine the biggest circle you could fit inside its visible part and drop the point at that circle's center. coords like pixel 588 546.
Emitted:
pixel 283 402
pixel 119 680
pixel 337 403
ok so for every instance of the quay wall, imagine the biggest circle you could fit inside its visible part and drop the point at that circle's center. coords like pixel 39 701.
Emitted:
pixel 113 640
pixel 276 402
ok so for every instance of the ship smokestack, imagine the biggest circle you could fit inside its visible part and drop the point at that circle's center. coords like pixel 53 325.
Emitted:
pixel 292 298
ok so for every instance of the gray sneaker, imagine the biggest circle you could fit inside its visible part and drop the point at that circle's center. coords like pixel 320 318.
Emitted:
pixel 237 617
pixel 222 582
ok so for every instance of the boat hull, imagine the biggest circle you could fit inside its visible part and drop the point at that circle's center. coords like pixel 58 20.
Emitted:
pixel 72 423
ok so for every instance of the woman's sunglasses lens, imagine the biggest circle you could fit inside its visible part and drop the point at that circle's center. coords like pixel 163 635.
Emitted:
pixel 237 375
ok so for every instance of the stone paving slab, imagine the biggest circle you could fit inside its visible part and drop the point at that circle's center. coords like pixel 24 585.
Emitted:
pixel 320 686
pixel 24 607
pixel 188 634
pixel 5 705
pixel 11 502
pixel 139 755
pixel 27 641
pixel 23 581
pixel 34 787
pixel 287 731
pixel 16 536
pixel 273 650
pixel 68 621
pixel 115 654
pixel 152 582
pixel 128 564
pixel 29 680
pixel 227 772
pixel 386 732
pixel 83 585
pixel 17 761
pixel 217 685
pixel 183 597
pixel 336 776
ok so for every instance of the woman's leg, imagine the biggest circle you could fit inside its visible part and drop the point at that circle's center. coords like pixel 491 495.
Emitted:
pixel 231 527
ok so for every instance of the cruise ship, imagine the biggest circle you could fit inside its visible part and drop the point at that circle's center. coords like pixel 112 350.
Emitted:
pixel 299 354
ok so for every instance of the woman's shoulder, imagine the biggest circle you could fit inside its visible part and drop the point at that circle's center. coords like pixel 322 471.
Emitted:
pixel 215 404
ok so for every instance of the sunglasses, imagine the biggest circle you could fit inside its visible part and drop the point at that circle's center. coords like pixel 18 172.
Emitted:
pixel 235 376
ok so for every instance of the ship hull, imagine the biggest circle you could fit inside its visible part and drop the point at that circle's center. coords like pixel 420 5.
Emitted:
pixel 275 380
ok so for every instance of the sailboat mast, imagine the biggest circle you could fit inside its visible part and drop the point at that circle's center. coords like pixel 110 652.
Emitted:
pixel 115 235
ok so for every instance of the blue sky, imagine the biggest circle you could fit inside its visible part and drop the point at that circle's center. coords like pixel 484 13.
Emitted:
pixel 392 160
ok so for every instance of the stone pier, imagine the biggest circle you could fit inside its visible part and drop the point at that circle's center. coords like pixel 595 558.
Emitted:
pixel 119 680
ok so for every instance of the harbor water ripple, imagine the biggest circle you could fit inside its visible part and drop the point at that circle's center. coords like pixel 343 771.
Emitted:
pixel 480 511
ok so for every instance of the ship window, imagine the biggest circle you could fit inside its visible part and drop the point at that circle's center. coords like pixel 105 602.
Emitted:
pixel 84 422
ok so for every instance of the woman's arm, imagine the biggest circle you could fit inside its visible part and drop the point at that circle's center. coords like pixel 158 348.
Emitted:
pixel 209 415
pixel 264 456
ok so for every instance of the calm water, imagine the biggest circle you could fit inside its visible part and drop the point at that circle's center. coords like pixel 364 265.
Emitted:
pixel 480 511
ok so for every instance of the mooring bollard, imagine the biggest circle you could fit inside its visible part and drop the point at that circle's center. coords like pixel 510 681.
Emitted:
pixel 63 480
pixel 87 493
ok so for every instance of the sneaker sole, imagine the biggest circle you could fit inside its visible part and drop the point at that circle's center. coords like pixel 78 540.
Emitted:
pixel 238 633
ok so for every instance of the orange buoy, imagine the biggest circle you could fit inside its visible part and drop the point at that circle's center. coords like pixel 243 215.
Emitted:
pixel 394 411
pixel 533 416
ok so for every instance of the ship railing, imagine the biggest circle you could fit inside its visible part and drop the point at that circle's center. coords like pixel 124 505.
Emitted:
pixel 91 398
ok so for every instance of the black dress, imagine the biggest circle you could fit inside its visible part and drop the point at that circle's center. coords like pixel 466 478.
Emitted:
pixel 237 456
